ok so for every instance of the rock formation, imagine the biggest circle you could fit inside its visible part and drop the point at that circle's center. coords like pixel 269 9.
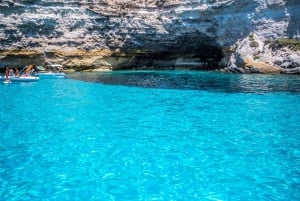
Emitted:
pixel 230 35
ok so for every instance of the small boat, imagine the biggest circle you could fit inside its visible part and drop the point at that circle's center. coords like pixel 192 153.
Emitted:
pixel 25 75
pixel 21 78
pixel 51 71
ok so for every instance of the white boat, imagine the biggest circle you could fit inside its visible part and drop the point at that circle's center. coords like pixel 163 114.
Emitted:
pixel 51 71
pixel 21 78
pixel 51 75
pixel 25 75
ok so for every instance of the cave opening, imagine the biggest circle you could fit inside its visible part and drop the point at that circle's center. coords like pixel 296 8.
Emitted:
pixel 204 58
pixel 191 51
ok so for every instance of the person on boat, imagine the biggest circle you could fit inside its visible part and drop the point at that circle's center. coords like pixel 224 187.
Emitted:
pixel 11 71
pixel 7 73
pixel 17 74
pixel 28 70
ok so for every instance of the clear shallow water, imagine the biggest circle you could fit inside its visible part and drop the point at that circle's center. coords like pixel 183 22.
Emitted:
pixel 74 140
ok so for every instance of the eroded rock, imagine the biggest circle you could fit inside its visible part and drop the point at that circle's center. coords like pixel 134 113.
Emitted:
pixel 143 34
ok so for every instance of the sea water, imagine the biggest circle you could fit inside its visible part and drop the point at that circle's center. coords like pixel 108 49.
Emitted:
pixel 151 136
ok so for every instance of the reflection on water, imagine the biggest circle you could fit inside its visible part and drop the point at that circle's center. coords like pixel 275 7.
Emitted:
pixel 195 80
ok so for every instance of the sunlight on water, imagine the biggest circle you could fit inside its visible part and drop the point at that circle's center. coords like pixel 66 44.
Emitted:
pixel 151 136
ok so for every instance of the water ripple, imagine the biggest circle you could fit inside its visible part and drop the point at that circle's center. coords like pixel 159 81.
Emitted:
pixel 73 140
pixel 212 81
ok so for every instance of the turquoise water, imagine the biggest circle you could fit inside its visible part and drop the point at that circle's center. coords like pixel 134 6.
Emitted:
pixel 151 136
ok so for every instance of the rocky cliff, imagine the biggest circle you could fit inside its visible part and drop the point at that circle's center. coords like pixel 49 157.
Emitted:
pixel 233 35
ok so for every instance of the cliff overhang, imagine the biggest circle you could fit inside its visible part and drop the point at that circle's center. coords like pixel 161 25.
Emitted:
pixel 227 35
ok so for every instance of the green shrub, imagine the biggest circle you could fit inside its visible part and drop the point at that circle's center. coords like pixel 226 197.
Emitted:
pixel 292 44
pixel 251 37
pixel 255 57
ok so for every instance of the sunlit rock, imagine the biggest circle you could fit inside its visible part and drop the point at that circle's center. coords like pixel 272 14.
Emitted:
pixel 148 34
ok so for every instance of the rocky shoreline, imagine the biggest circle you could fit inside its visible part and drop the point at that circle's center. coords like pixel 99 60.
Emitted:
pixel 250 36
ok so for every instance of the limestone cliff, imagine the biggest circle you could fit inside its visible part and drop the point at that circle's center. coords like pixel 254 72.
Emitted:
pixel 234 35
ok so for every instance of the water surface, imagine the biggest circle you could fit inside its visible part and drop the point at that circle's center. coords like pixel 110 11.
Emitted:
pixel 196 80
pixel 151 136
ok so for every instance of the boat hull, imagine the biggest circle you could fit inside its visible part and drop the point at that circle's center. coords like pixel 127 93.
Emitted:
pixel 52 75
pixel 21 78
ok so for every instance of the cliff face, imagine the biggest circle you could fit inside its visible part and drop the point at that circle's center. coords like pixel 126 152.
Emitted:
pixel 166 34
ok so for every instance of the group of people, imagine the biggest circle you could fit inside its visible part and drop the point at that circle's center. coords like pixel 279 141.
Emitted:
pixel 14 72
pixel 9 71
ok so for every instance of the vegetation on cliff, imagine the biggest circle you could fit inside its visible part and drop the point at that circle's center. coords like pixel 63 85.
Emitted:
pixel 290 43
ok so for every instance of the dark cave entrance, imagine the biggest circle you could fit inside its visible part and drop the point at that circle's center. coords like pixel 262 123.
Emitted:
pixel 206 58
pixel 194 51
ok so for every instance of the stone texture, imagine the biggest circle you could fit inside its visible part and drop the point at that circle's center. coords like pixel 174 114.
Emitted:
pixel 147 34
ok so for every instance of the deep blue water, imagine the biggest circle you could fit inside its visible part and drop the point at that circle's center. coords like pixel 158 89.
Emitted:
pixel 151 136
